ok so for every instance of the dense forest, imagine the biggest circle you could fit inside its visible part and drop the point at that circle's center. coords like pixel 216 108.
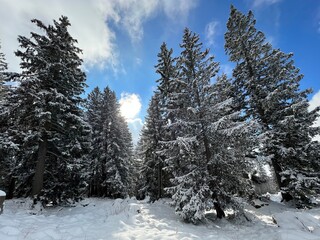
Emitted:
pixel 206 142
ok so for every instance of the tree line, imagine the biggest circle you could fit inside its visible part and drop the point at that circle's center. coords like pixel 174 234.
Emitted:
pixel 206 137
pixel 56 146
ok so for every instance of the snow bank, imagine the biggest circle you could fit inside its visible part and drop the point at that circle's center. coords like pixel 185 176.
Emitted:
pixel 2 193
pixel 298 225
pixel 277 197
pixel 124 219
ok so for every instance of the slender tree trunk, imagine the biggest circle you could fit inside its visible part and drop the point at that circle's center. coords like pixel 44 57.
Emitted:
pixel 160 184
pixel 286 196
pixel 39 171
pixel 12 186
pixel 277 170
pixel 220 212
pixel 206 145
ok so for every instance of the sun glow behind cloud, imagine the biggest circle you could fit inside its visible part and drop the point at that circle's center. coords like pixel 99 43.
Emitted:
pixel 130 107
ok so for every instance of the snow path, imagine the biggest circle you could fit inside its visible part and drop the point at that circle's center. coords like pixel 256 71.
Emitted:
pixel 101 219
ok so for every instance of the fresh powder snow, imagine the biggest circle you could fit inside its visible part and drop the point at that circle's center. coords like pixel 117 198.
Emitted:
pixel 105 219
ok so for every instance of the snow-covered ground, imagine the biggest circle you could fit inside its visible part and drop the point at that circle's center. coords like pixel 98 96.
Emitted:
pixel 94 219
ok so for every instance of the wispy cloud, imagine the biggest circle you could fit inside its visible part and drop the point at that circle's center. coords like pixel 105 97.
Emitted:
pixel 259 3
pixel 178 10
pixel 227 69
pixel 138 61
pixel 318 20
pixel 92 23
pixel 211 32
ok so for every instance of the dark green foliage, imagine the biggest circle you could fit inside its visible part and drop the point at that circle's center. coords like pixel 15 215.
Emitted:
pixel 111 155
pixel 195 133
pixel 155 179
pixel 268 83
pixel 48 123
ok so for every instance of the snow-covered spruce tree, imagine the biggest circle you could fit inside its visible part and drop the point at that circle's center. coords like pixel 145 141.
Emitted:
pixel 167 69
pixel 111 153
pixel 96 168
pixel 138 178
pixel 188 150
pixel 3 68
pixel 118 148
pixel 5 143
pixel 269 83
pixel 53 137
pixel 231 138
pixel 151 170
pixel 154 132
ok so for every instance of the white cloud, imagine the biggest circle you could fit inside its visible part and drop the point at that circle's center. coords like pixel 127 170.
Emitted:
pixel 87 20
pixel 90 23
pixel 130 107
pixel 259 3
pixel 211 32
pixel 315 102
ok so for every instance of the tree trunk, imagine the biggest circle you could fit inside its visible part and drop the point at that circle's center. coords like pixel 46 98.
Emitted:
pixel 12 186
pixel 160 184
pixel 286 196
pixel 39 171
pixel 277 171
pixel 220 212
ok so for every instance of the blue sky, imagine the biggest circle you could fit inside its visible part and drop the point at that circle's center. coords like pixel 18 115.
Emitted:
pixel 121 38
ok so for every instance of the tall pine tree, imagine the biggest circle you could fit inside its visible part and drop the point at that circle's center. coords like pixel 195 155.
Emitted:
pixel 188 151
pixel 270 93
pixel 207 140
pixel 152 167
pixel 111 153
pixel 5 144
pixel 3 68
pixel 154 132
pixel 49 125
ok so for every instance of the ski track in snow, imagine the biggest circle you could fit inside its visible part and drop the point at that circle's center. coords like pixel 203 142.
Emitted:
pixel 103 219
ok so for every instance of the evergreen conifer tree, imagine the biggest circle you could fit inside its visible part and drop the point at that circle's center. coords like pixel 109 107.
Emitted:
pixel 154 132
pixel 152 167
pixel 231 139
pixel 3 68
pixel 5 143
pixel 52 134
pixel 188 151
pixel 111 153
pixel 270 93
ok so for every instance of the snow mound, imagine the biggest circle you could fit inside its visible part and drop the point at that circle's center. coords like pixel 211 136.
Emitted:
pixel 277 197
pixel 128 219
pixel 2 193
pixel 300 224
